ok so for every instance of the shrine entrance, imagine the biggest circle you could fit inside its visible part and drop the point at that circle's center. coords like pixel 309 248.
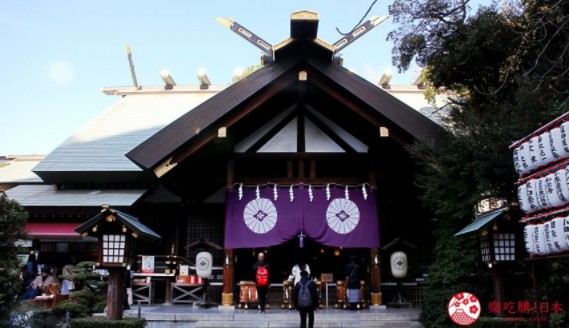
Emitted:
pixel 320 258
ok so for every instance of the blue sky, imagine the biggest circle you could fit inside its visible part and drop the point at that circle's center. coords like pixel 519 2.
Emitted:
pixel 58 54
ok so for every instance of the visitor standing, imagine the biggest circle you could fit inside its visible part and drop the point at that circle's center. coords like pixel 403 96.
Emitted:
pixel 353 282
pixel 297 269
pixel 305 299
pixel 261 272
pixel 29 272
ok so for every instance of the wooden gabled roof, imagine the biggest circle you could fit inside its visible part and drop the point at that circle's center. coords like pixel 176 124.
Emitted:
pixel 328 86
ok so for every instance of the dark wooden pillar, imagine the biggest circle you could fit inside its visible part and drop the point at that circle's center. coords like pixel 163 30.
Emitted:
pixel 227 294
pixel 375 277
pixel 115 294
pixel 499 294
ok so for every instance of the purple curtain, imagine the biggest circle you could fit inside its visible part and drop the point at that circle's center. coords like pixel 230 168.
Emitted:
pixel 257 219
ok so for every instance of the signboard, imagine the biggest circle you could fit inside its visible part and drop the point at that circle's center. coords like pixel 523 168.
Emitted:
pixel 147 264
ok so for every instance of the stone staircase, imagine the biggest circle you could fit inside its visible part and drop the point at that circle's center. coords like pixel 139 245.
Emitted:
pixel 174 316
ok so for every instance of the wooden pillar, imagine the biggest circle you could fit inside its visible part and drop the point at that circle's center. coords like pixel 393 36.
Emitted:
pixel 115 294
pixel 499 294
pixel 227 294
pixel 375 277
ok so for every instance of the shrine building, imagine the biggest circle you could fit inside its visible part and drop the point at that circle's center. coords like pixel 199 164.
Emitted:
pixel 300 159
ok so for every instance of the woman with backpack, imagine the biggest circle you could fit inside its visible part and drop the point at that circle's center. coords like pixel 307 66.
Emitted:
pixel 305 299
pixel 261 272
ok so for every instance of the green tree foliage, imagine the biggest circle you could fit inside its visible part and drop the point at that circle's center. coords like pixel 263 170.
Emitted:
pixel 505 72
pixel 89 295
pixel 13 219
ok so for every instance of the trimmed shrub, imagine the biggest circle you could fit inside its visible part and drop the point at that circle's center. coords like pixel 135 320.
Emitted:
pixel 98 322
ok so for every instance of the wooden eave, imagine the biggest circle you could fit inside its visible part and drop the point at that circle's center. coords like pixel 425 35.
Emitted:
pixel 197 128
pixel 197 124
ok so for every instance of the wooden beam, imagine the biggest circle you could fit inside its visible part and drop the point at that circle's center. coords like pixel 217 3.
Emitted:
pixel 299 156
pixel 355 106
pixel 312 169
pixel 306 181
pixel 230 174
pixel 300 130
pixel 250 105
pixel 272 132
pixel 330 133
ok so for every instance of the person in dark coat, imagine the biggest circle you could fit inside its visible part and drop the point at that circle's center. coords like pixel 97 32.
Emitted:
pixel 353 282
pixel 29 272
pixel 262 291
pixel 303 311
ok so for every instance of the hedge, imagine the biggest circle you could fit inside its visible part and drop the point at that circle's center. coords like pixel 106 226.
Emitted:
pixel 99 322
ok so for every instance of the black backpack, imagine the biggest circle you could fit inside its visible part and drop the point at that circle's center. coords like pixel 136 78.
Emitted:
pixel 304 295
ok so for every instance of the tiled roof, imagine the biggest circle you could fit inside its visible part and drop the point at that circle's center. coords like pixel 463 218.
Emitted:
pixel 48 195
pixel 18 169
pixel 101 144
pixel 128 220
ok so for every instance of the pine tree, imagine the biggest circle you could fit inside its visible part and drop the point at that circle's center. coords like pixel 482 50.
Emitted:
pixel 13 220
pixel 90 293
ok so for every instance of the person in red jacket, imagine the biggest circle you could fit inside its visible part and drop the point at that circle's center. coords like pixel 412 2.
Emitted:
pixel 262 282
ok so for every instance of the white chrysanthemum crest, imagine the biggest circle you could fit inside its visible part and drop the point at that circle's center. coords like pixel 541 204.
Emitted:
pixel 275 192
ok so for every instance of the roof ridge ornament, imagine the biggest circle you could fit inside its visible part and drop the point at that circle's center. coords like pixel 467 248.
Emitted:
pixel 358 32
pixel 255 40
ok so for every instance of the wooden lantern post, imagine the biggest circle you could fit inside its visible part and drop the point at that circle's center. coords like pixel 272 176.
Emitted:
pixel 116 233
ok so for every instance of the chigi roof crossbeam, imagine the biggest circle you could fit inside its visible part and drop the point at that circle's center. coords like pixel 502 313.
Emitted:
pixel 303 26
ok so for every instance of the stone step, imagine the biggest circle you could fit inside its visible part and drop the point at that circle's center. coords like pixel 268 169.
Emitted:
pixel 317 324
pixel 188 317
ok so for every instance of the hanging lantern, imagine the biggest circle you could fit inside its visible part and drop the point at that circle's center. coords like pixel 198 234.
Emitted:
pixel 542 199
pixel 531 191
pixel 204 264
pixel 551 191
pixel 561 186
pixel 539 239
pixel 558 234
pixel 517 163
pixel 529 239
pixel 524 156
pixel 565 138
pixel 547 236
pixel 399 265
pixel 556 142
pixel 533 153
pixel 523 198
pixel 545 153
